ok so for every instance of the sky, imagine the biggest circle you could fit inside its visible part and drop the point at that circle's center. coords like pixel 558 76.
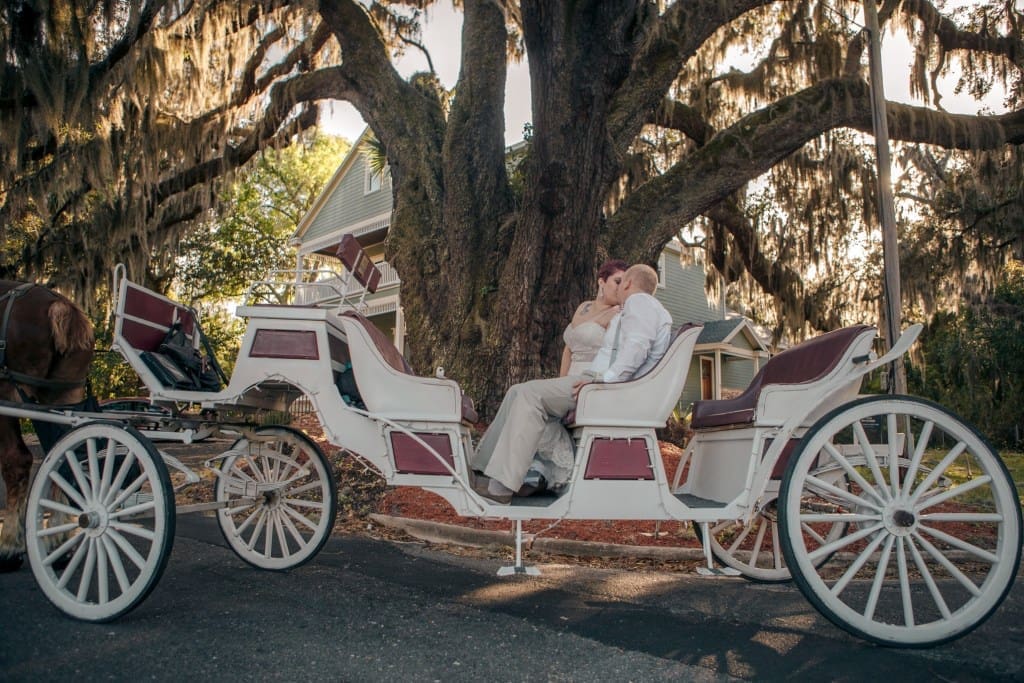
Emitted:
pixel 442 36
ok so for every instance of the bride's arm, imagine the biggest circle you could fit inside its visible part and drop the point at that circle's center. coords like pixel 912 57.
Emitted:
pixel 566 362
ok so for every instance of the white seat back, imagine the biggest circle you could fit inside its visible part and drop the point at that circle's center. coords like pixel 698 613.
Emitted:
pixel 646 401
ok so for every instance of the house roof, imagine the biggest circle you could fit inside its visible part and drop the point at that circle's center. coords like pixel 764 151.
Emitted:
pixel 723 332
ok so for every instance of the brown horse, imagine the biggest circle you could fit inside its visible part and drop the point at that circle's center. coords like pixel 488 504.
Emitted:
pixel 49 346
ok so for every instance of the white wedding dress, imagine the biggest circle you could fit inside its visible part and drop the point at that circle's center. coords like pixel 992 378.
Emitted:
pixel 555 453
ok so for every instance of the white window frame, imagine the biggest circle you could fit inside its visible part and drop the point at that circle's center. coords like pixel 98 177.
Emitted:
pixel 661 271
pixel 369 179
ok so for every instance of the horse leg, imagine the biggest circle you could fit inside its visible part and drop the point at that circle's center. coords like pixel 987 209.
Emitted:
pixel 16 464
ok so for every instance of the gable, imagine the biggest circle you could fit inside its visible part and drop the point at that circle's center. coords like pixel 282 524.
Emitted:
pixel 345 204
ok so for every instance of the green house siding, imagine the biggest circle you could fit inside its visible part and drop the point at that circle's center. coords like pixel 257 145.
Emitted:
pixel 737 373
pixel 683 294
pixel 691 389
pixel 349 204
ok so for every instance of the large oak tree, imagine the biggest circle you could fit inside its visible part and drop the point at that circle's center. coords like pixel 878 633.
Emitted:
pixel 120 120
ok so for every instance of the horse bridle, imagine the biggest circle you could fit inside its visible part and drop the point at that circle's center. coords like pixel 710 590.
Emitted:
pixel 19 378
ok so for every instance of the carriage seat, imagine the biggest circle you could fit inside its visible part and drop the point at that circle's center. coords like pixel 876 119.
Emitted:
pixel 388 385
pixel 805 365
pixel 644 401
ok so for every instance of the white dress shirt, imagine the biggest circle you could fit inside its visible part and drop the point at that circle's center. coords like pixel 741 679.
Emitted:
pixel 636 339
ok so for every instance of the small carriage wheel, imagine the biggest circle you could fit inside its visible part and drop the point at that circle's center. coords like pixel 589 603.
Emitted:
pixel 100 521
pixel 295 499
pixel 754 549
pixel 934 535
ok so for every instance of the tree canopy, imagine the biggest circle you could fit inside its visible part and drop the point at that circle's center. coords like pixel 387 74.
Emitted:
pixel 119 121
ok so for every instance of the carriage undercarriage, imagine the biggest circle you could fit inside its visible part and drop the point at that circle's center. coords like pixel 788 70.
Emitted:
pixel 896 519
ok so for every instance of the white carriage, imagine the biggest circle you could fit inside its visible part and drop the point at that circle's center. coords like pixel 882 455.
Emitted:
pixel 896 519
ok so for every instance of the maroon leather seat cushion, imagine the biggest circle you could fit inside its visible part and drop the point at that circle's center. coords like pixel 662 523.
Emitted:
pixel 806 362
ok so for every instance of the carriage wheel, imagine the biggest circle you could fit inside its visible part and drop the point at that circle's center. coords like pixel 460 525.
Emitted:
pixel 100 521
pixel 296 502
pixel 934 535
pixel 754 549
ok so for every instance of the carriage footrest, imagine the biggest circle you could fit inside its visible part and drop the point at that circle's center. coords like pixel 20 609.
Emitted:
pixel 716 571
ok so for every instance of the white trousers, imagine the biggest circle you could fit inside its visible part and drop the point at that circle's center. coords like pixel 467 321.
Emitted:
pixel 508 446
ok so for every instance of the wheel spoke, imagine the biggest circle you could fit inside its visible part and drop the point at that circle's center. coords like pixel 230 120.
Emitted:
pixel 840 585
pixel 852 473
pixel 122 474
pixel 81 552
pixel 927 502
pixel 758 541
pixel 57 506
pixel 810 531
pixel 296 536
pixel 829 548
pixel 255 537
pixel 69 490
pixel 821 486
pixel 126 493
pixel 915 462
pixel 776 547
pixel 56 530
pixel 102 576
pixel 742 537
pixel 87 571
pixel 929 581
pixel 115 563
pixel 963 517
pixel 894 457
pixel 299 518
pixel 961 544
pixel 876 583
pixel 281 540
pixel 94 469
pixel 108 470
pixel 133 510
pixel 838 517
pixel 311 486
pixel 129 551
pixel 905 596
pixel 938 471
pixel 299 502
pixel 953 570
pixel 76 469
pixel 268 536
pixel 134 530
pixel 868 449
pixel 249 520
pixel 62 549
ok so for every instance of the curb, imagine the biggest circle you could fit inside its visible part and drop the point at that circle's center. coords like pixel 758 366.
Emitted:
pixel 437 532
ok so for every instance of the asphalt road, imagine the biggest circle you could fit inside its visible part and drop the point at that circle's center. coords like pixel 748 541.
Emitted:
pixel 371 610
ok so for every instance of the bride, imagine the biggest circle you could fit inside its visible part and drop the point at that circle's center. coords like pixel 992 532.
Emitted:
pixel 552 465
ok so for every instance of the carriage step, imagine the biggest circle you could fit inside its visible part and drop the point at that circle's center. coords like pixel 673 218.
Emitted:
pixel 692 501
pixel 716 571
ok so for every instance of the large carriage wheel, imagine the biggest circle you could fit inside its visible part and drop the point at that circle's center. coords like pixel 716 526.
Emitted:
pixel 754 549
pixel 296 502
pixel 934 535
pixel 100 521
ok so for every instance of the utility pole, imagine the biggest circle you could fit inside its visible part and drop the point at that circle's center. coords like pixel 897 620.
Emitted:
pixel 886 204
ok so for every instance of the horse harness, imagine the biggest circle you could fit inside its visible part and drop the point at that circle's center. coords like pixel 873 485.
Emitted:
pixel 19 378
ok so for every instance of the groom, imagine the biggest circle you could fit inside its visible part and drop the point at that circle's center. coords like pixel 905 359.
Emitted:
pixel 635 341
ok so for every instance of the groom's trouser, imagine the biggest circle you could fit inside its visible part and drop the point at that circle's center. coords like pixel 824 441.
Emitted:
pixel 508 446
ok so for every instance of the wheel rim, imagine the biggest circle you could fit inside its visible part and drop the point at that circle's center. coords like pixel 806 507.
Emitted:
pixel 100 522
pixel 934 528
pixel 294 508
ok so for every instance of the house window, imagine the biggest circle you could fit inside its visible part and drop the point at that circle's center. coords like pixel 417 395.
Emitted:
pixel 374 180
pixel 661 270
